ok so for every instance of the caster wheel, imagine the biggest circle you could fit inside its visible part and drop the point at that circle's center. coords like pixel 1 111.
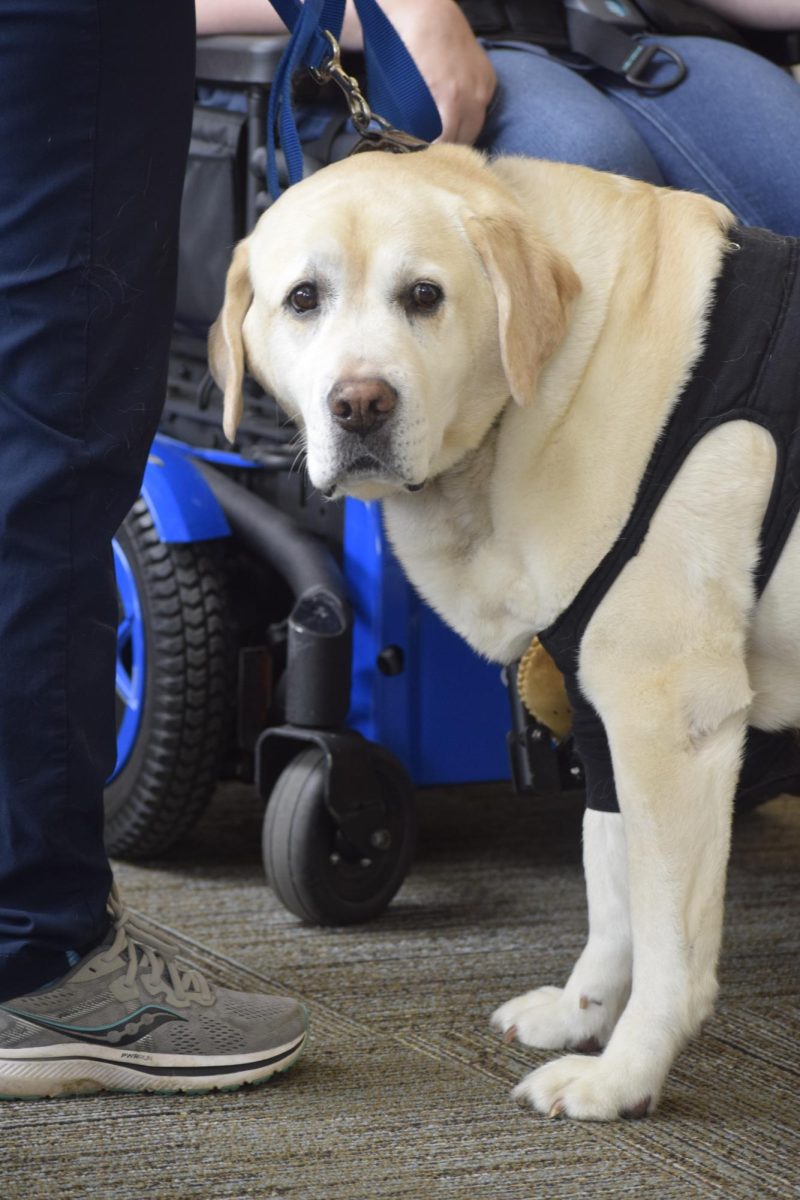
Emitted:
pixel 312 868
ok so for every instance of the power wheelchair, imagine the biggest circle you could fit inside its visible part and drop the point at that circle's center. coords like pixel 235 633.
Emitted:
pixel 266 634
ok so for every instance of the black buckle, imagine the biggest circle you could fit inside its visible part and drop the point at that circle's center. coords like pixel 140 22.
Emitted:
pixel 639 60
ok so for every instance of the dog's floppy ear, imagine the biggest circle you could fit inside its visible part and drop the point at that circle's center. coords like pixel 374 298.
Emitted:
pixel 534 286
pixel 225 345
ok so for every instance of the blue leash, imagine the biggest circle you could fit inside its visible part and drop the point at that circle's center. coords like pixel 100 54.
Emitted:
pixel 397 91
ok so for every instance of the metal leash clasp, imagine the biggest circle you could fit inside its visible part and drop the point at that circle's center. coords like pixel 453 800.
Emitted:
pixel 332 70
pixel 386 137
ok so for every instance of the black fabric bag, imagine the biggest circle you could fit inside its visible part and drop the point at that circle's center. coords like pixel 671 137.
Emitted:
pixel 543 22
pixel 683 17
pixel 604 31
pixel 212 214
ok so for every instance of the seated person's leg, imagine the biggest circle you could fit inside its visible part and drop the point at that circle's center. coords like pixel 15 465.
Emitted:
pixel 545 109
pixel 730 130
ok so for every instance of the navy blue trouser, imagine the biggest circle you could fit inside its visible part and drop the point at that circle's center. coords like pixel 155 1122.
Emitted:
pixel 95 112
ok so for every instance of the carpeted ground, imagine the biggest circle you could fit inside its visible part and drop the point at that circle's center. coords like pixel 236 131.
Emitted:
pixel 404 1090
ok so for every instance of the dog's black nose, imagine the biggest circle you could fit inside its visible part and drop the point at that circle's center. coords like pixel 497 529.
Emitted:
pixel 362 405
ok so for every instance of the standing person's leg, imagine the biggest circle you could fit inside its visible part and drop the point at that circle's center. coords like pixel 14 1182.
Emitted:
pixel 730 130
pixel 95 107
pixel 545 109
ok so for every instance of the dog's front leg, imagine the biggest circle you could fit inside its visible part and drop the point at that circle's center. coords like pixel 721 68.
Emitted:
pixel 675 780
pixel 582 1015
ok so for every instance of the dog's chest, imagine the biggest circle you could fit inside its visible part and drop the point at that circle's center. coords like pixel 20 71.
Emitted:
pixel 446 542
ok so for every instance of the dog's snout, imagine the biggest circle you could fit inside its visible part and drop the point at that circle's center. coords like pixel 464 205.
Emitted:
pixel 362 405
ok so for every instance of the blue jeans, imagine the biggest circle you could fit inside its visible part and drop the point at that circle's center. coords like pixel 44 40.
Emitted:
pixel 730 130
pixel 95 111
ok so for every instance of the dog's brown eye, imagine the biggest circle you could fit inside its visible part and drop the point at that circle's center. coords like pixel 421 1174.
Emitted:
pixel 426 296
pixel 304 297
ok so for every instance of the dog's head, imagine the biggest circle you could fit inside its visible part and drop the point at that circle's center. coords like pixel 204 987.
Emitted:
pixel 392 304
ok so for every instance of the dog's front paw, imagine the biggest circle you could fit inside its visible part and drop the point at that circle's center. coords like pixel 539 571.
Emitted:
pixel 588 1089
pixel 552 1018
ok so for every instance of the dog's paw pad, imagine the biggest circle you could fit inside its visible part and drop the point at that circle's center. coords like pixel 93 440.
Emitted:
pixel 637 1111
pixel 589 1045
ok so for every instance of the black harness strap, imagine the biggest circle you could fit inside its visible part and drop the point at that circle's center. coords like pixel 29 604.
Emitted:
pixel 749 370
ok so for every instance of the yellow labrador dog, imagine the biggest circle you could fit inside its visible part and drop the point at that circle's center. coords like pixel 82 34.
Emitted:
pixel 496 351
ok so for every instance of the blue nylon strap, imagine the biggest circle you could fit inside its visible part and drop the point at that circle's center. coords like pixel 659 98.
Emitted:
pixel 396 90
pixel 329 15
pixel 307 47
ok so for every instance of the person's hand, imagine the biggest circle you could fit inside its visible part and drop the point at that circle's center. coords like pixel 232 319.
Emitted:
pixel 451 61
pixel 436 33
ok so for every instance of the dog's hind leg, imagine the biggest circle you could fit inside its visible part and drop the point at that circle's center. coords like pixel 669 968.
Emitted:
pixel 582 1015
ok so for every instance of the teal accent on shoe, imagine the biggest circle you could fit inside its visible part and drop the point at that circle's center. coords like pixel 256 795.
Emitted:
pixel 97 1031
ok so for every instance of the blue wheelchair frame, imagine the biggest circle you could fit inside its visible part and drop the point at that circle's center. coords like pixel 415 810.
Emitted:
pixel 417 689
pixel 355 692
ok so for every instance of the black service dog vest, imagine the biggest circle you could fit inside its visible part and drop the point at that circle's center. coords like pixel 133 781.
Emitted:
pixel 749 370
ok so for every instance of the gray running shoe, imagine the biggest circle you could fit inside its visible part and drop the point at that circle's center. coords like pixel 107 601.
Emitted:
pixel 132 1016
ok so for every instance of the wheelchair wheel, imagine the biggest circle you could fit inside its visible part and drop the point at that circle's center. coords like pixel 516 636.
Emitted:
pixel 174 677
pixel 309 864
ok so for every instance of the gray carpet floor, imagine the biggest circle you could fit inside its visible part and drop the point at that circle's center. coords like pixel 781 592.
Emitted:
pixel 404 1089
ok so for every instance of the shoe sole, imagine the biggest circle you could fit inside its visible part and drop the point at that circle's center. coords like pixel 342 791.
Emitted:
pixel 80 1072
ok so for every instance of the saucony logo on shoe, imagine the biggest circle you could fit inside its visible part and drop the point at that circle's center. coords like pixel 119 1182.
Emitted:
pixel 124 1032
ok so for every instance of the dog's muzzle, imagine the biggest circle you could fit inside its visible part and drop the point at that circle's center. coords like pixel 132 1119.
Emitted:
pixel 365 407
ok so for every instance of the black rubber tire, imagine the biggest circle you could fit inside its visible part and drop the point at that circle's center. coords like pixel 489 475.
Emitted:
pixel 174 766
pixel 301 846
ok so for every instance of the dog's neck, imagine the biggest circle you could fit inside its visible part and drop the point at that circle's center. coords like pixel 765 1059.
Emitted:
pixel 444 537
